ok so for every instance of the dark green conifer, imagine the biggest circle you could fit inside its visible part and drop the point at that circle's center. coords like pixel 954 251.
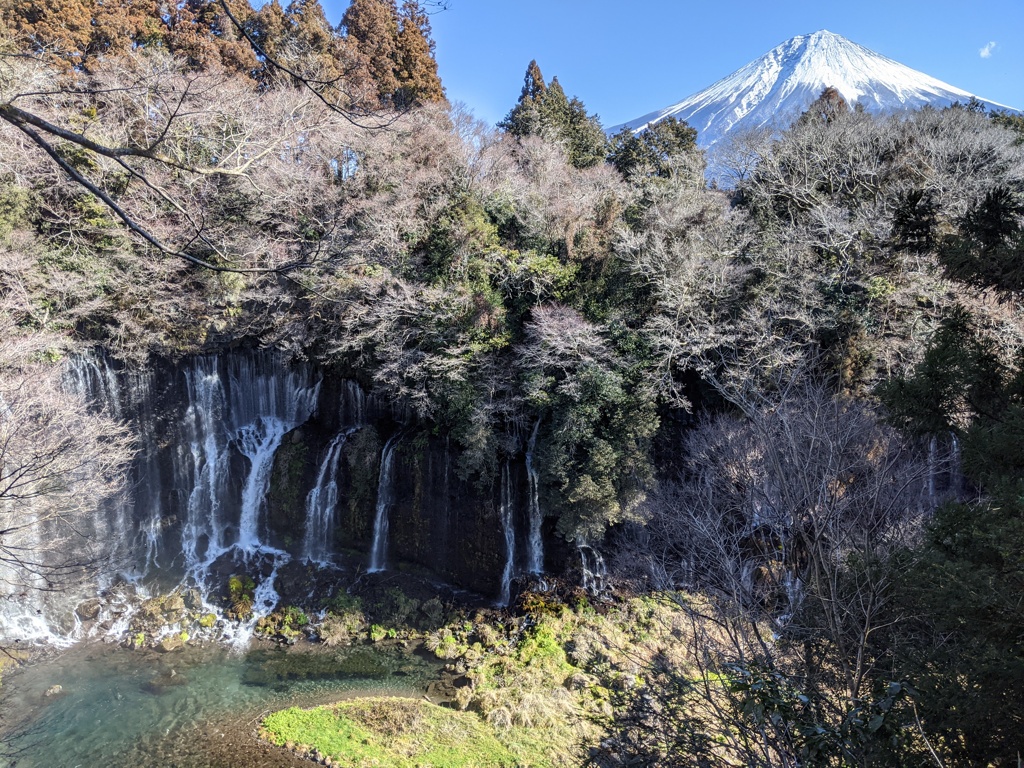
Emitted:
pixel 524 118
pixel 545 110
pixel 650 152
pixel 988 249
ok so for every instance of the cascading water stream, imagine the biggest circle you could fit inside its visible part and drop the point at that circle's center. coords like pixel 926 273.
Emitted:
pixel 321 502
pixel 385 499
pixel 258 442
pixel 247 407
pixel 202 536
pixel 91 378
pixel 506 510
pixel 536 553
pixel 595 572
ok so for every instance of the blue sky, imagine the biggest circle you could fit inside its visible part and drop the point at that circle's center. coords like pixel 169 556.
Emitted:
pixel 624 59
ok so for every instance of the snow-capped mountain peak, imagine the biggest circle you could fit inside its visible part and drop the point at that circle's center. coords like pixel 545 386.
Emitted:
pixel 775 88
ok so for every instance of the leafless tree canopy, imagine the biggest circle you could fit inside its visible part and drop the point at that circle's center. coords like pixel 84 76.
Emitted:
pixel 59 461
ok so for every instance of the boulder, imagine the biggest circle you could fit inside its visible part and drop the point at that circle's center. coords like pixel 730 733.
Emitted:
pixel 174 605
pixel 89 610
pixel 170 643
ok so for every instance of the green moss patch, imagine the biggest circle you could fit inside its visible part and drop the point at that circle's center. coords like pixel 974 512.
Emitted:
pixel 389 733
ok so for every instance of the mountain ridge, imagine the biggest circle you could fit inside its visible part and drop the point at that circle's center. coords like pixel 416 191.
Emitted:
pixel 775 88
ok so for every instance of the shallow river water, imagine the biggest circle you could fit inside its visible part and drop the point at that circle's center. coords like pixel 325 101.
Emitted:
pixel 191 708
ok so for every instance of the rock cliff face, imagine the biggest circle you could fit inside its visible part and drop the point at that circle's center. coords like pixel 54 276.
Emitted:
pixel 246 461
pixel 447 524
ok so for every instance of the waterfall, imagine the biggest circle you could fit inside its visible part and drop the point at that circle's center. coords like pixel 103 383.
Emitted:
pixel 932 472
pixel 206 431
pixel 956 469
pixel 536 559
pixel 793 588
pixel 321 502
pixel 265 598
pixel 595 572
pixel 258 442
pixel 506 510
pixel 385 499
pixel 242 404
pixel 91 377
pixel 353 405
pixel 202 535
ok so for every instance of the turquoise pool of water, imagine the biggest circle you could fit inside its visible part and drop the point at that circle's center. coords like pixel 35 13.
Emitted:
pixel 126 708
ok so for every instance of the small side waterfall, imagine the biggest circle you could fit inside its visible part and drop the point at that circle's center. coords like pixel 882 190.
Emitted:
pixel 506 510
pixel 536 559
pixel 793 588
pixel 385 499
pixel 321 502
pixel 956 468
pixel 93 379
pixel 595 572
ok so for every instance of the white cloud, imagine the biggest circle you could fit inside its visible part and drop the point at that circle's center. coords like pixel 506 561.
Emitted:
pixel 986 52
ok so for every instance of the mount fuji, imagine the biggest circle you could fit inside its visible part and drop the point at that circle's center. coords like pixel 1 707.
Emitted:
pixel 773 90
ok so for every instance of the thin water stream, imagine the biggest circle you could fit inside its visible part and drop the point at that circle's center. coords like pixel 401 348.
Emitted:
pixel 196 707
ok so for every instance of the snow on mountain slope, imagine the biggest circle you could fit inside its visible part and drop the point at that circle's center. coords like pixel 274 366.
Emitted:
pixel 774 89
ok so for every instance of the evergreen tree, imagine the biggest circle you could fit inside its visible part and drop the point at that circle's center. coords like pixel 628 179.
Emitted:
pixel 587 142
pixel 651 151
pixel 269 29
pixel 827 107
pixel 988 249
pixel 201 32
pixel 76 31
pixel 545 110
pixel 553 111
pixel 299 37
pixel 914 221
pixel 524 119
pixel 309 27
pixel 418 81
pixel 1011 122
pixel 371 27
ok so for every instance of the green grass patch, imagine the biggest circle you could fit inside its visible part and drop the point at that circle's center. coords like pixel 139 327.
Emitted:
pixel 389 733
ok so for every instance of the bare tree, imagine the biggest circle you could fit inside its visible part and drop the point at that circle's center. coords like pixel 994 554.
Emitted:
pixel 60 461
pixel 781 528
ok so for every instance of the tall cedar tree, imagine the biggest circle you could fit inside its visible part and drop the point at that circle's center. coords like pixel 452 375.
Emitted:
pixel 76 31
pixel 827 107
pixel 418 82
pixel 300 37
pixel 393 52
pixel 201 32
pixel 371 27
pixel 387 56
pixel 524 119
